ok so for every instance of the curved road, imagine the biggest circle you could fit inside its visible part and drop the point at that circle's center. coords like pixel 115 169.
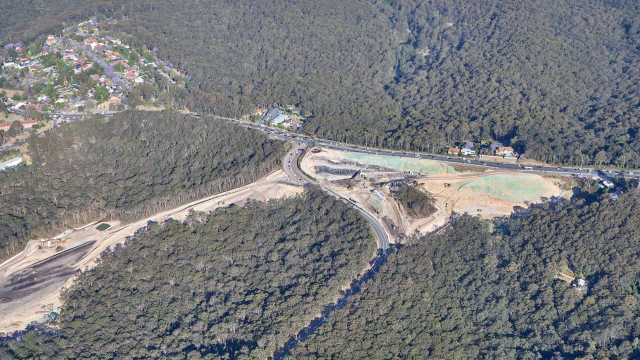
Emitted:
pixel 291 166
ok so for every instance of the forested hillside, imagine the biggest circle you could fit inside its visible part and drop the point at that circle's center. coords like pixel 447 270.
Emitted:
pixel 469 293
pixel 126 167
pixel 231 285
pixel 555 79
pixel 25 20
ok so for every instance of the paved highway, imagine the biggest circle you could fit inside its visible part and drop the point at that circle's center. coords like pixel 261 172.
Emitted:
pixel 291 166
pixel 313 141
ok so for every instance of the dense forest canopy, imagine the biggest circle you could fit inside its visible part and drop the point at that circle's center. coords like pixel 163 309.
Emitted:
pixel 231 285
pixel 471 292
pixel 555 79
pixel 129 166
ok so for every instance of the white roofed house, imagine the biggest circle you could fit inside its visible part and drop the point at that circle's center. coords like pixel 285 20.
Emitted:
pixel 11 65
pixel 280 119
pixel 468 149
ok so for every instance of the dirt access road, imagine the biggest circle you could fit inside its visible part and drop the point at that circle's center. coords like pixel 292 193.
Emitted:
pixel 31 281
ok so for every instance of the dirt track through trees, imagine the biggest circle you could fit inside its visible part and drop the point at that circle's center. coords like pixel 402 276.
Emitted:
pixel 33 279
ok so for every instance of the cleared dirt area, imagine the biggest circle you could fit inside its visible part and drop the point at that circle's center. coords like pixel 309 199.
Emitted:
pixel 152 108
pixel 368 180
pixel 10 117
pixel 491 194
pixel 47 280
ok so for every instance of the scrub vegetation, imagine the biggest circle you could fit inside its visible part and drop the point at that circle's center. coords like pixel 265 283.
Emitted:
pixel 417 203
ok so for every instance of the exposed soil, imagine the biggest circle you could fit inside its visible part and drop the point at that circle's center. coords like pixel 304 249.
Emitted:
pixel 474 190
pixel 18 313
pixel 491 194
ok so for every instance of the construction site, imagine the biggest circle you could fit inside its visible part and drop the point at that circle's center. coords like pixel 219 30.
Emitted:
pixel 372 181
pixel 31 282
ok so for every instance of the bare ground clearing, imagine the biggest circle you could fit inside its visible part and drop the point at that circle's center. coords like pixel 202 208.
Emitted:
pixel 367 180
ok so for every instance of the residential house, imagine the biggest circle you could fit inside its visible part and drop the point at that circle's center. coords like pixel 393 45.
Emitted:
pixel 51 40
pixel 112 55
pixel 70 55
pixel 495 145
pixel 87 66
pixel 119 62
pixel 453 150
pixel 131 74
pixel 11 65
pixel 115 101
pixel 35 66
pixel 19 106
pixel 92 42
pixel 28 123
pixel 260 110
pixel 274 116
pixel 468 149
pixel 506 151
pixel 280 119
pixel 47 243
pixel 37 107
pixel 294 122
